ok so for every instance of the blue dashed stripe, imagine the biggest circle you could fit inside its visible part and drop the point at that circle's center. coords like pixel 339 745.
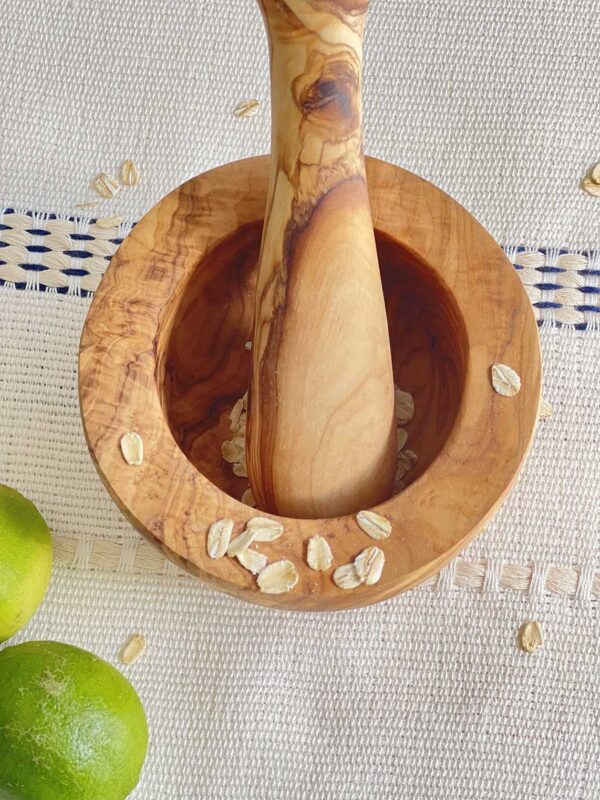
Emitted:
pixel 550 274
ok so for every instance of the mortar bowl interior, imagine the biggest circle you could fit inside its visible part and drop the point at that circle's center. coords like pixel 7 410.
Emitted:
pixel 205 361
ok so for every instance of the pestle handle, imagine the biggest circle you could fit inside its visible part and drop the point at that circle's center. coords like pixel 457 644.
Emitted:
pixel 321 439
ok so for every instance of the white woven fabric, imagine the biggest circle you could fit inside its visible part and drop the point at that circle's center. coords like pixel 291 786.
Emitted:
pixel 495 101
pixel 426 696
pixel 423 697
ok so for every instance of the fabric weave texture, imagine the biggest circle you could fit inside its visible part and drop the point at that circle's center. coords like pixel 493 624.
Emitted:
pixel 496 102
pixel 427 696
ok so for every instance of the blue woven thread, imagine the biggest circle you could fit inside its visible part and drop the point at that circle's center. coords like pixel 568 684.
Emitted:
pixel 545 270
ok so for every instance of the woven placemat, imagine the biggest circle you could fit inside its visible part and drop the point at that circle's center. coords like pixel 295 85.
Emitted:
pixel 249 703
pixel 426 696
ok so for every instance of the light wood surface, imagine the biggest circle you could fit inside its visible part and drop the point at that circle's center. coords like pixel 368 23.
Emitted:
pixel 321 438
pixel 162 353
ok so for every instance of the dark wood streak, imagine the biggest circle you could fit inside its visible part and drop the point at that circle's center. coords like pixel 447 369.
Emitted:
pixel 264 437
pixel 353 7
pixel 288 22
pixel 333 96
pixel 351 12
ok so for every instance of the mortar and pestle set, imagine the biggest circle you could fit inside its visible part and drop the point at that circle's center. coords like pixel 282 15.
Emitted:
pixel 348 276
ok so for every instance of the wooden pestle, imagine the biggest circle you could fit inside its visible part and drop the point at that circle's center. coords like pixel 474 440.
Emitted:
pixel 321 434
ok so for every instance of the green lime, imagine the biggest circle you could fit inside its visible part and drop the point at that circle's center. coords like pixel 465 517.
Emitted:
pixel 71 726
pixel 25 560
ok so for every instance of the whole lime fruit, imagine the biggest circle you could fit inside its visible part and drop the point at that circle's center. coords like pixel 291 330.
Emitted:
pixel 71 726
pixel 25 560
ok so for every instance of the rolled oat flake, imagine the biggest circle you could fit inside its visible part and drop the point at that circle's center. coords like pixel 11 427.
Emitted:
pixel 132 448
pixel 133 649
pixel 530 636
pixel 505 380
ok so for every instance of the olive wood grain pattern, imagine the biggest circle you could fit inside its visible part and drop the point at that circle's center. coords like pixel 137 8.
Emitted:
pixel 162 353
pixel 321 439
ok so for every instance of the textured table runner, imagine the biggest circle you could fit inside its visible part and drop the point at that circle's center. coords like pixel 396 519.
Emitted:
pixel 427 695
pixel 245 702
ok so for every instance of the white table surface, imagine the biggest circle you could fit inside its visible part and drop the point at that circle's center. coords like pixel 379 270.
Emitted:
pixel 426 696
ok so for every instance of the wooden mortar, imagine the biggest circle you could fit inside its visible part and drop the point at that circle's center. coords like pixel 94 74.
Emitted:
pixel 321 432
pixel 163 353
